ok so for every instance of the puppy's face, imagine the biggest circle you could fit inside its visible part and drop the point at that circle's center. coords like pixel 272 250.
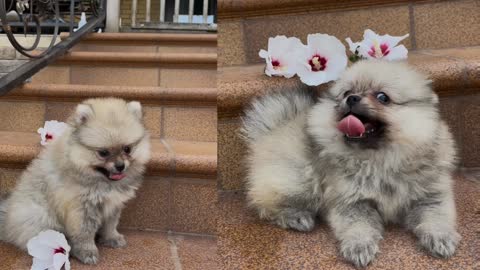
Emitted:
pixel 377 104
pixel 109 140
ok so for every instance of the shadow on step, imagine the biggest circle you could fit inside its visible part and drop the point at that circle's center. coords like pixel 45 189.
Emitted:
pixel 145 250
pixel 244 242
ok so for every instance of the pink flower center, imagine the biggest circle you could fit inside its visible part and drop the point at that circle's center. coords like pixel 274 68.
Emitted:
pixel 318 63
pixel 276 64
pixel 59 250
pixel 48 137
pixel 379 52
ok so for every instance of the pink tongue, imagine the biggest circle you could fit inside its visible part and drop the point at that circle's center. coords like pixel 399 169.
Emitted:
pixel 117 176
pixel 351 126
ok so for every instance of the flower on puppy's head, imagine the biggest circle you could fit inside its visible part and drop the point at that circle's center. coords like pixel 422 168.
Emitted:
pixel 322 60
pixel 374 46
pixel 51 130
pixel 279 57
pixel 50 251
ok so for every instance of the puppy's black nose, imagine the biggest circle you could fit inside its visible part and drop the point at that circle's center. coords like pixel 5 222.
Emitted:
pixel 120 167
pixel 353 99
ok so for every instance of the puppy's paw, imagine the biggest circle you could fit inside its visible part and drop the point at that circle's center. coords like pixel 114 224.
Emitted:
pixel 115 242
pixel 359 252
pixel 86 256
pixel 440 244
pixel 303 221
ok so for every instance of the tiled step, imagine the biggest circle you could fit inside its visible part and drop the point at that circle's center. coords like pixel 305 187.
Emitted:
pixel 456 78
pixel 250 8
pixel 171 113
pixel 145 250
pixel 453 71
pixel 147 42
pixel 178 194
pixel 164 69
pixel 246 25
pixel 145 94
pixel 168 157
pixel 245 242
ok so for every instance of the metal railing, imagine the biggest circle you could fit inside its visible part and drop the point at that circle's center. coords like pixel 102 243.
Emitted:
pixel 31 13
pixel 181 15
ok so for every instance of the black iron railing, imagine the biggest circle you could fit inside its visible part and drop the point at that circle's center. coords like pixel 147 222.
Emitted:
pixel 39 15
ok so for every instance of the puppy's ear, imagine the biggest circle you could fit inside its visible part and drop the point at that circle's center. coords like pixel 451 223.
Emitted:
pixel 82 114
pixel 135 108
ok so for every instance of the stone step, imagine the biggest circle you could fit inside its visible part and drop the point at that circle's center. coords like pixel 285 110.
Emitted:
pixel 169 157
pixel 245 242
pixel 246 25
pixel 456 78
pixel 164 69
pixel 171 113
pixel 145 250
pixel 147 42
pixel 171 121
pixel 178 194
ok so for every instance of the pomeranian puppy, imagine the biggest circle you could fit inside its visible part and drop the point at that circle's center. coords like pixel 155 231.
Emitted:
pixel 80 182
pixel 372 150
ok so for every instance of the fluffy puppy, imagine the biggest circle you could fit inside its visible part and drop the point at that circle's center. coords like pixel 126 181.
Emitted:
pixel 372 150
pixel 80 182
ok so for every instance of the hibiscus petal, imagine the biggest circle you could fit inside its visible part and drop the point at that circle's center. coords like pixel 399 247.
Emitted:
pixel 58 261
pixel 41 264
pixel 352 45
pixel 39 250
pixel 312 78
pixel 397 53
pixel 263 54
pixel 392 41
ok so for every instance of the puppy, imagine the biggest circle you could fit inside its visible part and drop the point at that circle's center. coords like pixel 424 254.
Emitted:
pixel 372 150
pixel 80 182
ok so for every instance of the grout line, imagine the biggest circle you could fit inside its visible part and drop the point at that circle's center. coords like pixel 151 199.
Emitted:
pixel 162 121
pixel 411 15
pixel 174 252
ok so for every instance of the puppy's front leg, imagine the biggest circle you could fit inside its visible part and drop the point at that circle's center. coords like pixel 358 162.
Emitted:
pixel 81 226
pixel 358 227
pixel 109 236
pixel 432 219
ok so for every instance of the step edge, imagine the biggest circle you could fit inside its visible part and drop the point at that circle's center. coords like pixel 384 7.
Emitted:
pixel 139 57
pixel 203 95
pixel 145 37
pixel 22 155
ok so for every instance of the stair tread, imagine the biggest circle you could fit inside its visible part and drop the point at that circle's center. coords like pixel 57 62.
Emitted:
pixel 167 155
pixel 147 37
pixel 75 92
pixel 246 243
pixel 140 57
pixel 453 71
pixel 145 250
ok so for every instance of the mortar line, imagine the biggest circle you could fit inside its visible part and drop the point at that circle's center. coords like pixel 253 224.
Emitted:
pixel 411 15
pixel 174 253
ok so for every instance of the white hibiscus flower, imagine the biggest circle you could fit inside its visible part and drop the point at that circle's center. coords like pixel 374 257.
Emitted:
pixel 50 251
pixel 379 47
pixel 322 60
pixel 279 58
pixel 51 130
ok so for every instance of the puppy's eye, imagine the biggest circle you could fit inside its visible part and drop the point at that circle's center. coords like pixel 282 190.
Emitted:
pixel 127 149
pixel 103 153
pixel 347 93
pixel 383 98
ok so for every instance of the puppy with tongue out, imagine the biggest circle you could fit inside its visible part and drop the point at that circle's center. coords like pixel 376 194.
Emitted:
pixel 372 150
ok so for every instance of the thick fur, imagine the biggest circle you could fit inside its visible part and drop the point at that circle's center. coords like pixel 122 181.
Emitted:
pixel 301 165
pixel 61 190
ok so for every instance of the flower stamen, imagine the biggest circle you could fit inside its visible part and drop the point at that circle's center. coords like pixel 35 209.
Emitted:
pixel 276 64
pixel 318 63
pixel 59 250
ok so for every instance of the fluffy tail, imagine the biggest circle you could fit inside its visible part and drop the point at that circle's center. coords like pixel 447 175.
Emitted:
pixel 268 112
